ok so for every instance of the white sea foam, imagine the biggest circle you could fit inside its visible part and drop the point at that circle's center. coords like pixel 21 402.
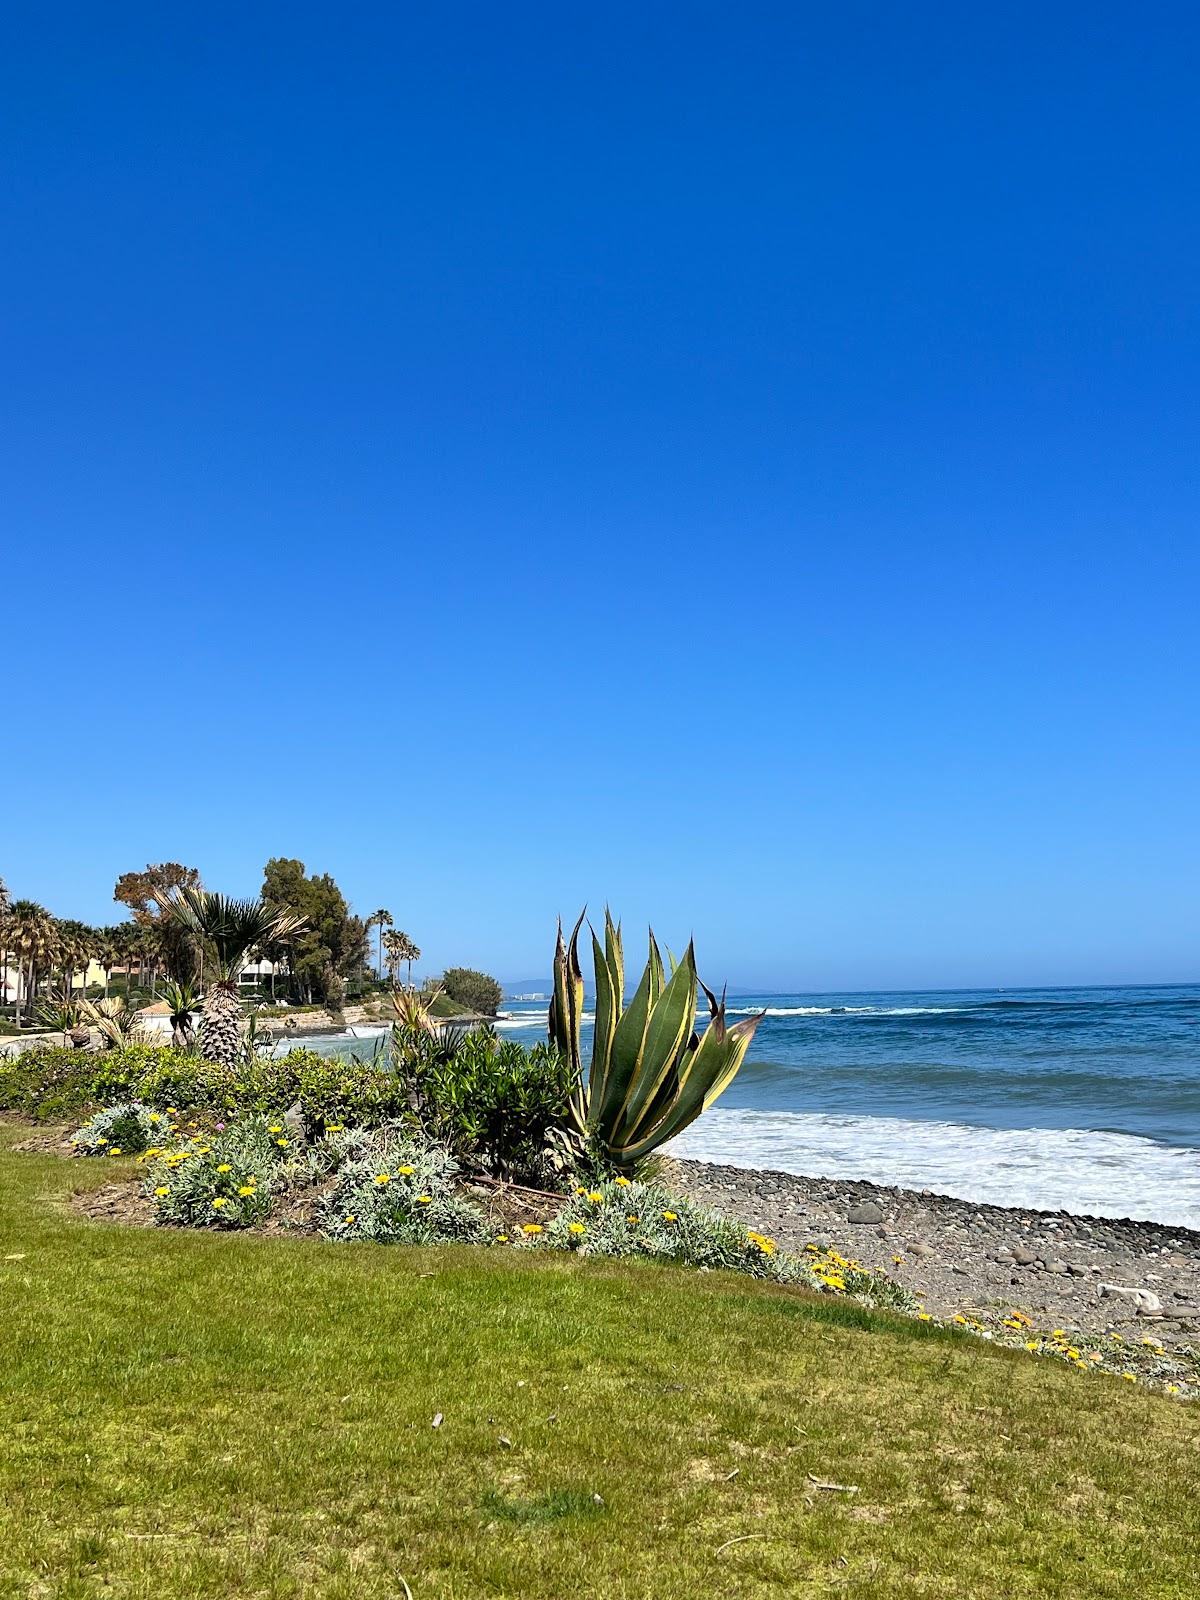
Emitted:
pixel 1052 1169
pixel 841 1011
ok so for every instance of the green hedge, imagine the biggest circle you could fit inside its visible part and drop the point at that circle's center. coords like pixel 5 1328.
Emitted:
pixel 54 1085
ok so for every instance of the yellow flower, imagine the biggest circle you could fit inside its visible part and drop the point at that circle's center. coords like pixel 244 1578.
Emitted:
pixel 282 1143
pixel 959 1318
pixel 224 1167
pixel 1032 1344
pixel 596 1197
pixel 171 1111
pixel 576 1227
pixel 897 1261
pixel 624 1182
pixel 1172 1388
pixel 1129 1377
pixel 532 1227
pixel 581 1188
pixel 669 1216
pixel 204 1150
pixel 1057 1333
pixel 924 1316
pixel 424 1200
pixel 632 1221
pixel 115 1151
pixel 334 1127
pixel 276 1129
pixel 404 1172
pixel 219 1202
pixel 247 1188
pixel 101 1141
pixel 835 1282
pixel 1072 1354
pixel 347 1219
pixel 162 1189
pixel 383 1177
pixel 501 1238
pixel 154 1117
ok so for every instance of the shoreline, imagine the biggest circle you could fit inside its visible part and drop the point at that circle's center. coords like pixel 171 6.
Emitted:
pixel 959 1256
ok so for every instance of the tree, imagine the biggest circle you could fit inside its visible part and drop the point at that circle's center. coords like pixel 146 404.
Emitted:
pixel 381 919
pixel 166 942
pixel 332 945
pixel 32 938
pixel 402 949
pixel 226 931
pixel 473 989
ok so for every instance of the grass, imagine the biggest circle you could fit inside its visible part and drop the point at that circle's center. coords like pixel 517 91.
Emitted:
pixel 220 1415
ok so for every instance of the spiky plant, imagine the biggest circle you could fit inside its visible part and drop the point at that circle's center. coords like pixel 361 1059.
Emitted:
pixel 226 931
pixel 650 1073
pixel 183 999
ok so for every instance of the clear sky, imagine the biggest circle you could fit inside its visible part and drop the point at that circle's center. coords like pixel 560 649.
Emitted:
pixel 736 461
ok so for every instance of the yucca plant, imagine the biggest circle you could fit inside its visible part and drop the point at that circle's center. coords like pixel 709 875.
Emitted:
pixel 183 999
pixel 650 1073
pixel 226 931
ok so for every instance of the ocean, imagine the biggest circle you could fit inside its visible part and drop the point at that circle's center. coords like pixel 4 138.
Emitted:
pixel 1084 1100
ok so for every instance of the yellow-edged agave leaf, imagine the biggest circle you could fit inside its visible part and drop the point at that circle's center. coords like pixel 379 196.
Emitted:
pixel 708 1072
pixel 629 1038
pixel 667 1033
pixel 566 1004
pixel 610 996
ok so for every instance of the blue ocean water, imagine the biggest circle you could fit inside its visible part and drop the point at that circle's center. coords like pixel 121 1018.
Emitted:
pixel 1086 1100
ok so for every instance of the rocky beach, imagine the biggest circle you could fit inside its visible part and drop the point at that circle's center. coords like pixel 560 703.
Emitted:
pixel 1096 1275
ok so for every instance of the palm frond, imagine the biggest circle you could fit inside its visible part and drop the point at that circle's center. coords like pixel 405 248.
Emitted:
pixel 228 929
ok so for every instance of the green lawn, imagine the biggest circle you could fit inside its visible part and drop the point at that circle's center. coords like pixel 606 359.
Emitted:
pixel 211 1415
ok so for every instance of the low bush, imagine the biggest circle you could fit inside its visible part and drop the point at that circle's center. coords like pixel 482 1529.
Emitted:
pixel 125 1129
pixel 490 1101
pixel 397 1189
pixel 225 1180
pixel 622 1217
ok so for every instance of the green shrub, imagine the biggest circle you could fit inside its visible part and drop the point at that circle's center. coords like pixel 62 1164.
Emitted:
pixel 398 1189
pixel 621 1217
pixel 226 1181
pixel 476 990
pixel 489 1101
pixel 125 1129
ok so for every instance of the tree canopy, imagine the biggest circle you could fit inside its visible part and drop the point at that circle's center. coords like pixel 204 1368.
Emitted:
pixel 333 944
pixel 474 989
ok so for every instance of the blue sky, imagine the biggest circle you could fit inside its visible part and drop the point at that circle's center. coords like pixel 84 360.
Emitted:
pixel 736 462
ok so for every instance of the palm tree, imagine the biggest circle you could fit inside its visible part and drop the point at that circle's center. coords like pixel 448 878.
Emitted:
pixel 381 919
pixel 31 937
pixel 409 952
pixel 226 930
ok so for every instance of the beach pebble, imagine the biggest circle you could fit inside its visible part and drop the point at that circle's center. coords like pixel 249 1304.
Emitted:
pixel 865 1211
pixel 1059 1267
pixel 919 1249
pixel 1023 1257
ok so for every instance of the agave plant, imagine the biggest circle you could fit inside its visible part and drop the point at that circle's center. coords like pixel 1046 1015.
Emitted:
pixel 64 1013
pixel 226 931
pixel 118 1025
pixel 650 1073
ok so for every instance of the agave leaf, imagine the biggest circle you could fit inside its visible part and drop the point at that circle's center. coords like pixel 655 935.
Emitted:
pixel 610 985
pixel 667 1034
pixel 629 1039
pixel 709 1071
pixel 657 976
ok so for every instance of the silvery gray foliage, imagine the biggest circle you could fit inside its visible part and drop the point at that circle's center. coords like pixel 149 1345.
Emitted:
pixel 394 1188
pixel 127 1128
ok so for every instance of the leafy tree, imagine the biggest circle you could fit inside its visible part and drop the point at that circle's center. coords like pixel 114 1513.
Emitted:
pixel 164 939
pixel 333 944
pixel 474 989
